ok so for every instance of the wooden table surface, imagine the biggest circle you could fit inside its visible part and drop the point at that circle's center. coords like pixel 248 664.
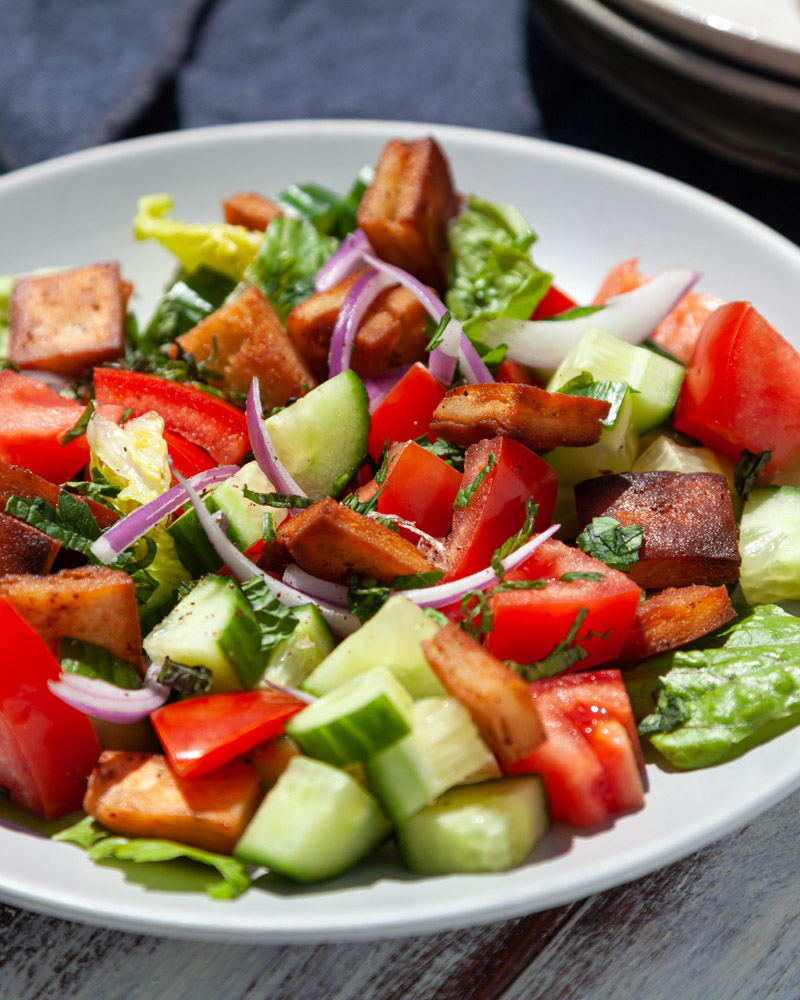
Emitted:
pixel 723 923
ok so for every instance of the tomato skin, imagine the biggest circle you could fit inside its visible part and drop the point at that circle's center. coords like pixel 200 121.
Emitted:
pixel 33 419
pixel 513 371
pixel 200 418
pixel 497 508
pixel 188 458
pixel 201 734
pixel 529 624
pixel 406 410
pixel 553 303
pixel 591 758
pixel 47 748
pixel 742 387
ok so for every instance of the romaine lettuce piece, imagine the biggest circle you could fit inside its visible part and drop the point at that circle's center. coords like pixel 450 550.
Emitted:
pixel 133 457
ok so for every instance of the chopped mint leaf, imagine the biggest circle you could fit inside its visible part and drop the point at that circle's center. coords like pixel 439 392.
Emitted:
pixel 452 454
pixel 611 392
pixel 290 500
pixel 365 597
pixel 748 469
pixel 466 493
pixel 72 524
pixel 516 540
pixel 578 575
pixel 268 531
pixel 183 679
pixel 606 539
pixel 435 615
pixel 413 581
pixel 79 429
pixel 276 620
pixel 576 312
pixel 565 654
pixel 671 712
pixel 436 337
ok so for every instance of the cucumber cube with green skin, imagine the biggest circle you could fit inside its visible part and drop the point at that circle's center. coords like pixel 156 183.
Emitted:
pixel 477 828
pixel 392 638
pixel 769 543
pixel 356 721
pixel 244 520
pixel 322 438
pixel 314 824
pixel 614 452
pixel 293 659
pixel 655 378
pixel 443 749
pixel 213 627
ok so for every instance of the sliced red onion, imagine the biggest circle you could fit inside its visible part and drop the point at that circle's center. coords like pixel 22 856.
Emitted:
pixel 363 293
pixel 442 359
pixel 442 594
pixel 430 302
pixel 472 367
pixel 343 261
pixel 631 317
pixel 317 589
pixel 293 692
pixel 341 622
pixel 121 535
pixel 263 448
pixel 102 700
pixel 379 386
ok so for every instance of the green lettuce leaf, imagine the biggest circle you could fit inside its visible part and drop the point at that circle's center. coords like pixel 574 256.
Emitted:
pixel 80 657
pixel 218 245
pixel 492 272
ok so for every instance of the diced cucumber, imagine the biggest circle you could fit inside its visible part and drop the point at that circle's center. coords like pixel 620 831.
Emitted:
pixel 314 824
pixel 244 518
pixel 614 452
pixel 271 759
pixel 322 438
pixel 213 627
pixel 769 543
pixel 293 659
pixel 356 721
pixel 443 749
pixel 477 828
pixel 655 378
pixel 392 638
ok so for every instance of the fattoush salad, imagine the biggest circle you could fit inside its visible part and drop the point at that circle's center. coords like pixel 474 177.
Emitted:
pixel 372 533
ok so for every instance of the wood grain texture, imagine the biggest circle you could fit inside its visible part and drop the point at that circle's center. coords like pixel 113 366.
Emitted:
pixel 724 923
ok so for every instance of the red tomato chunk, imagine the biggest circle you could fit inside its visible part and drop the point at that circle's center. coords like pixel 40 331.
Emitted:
pixel 406 410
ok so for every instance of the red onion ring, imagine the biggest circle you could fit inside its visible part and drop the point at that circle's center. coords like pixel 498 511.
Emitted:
pixel 263 448
pixel 363 293
pixel 317 589
pixel 121 535
pixel 102 700
pixel 343 261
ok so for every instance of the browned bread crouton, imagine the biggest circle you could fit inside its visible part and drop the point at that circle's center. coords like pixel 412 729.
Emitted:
pixel 687 520
pixel 538 419
pixel 25 549
pixel 68 321
pixel 670 618
pixel 333 542
pixel 498 700
pixel 406 209
pixel 245 338
pixel 139 795
pixel 249 209
pixel 16 481
pixel 393 331
pixel 93 603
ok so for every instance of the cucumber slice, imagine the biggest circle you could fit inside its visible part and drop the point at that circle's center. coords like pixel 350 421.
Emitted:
pixel 392 638
pixel 614 452
pixel 293 659
pixel 442 750
pixel 314 824
pixel 322 438
pixel 213 627
pixel 356 721
pixel 769 543
pixel 655 378
pixel 245 520
pixel 477 828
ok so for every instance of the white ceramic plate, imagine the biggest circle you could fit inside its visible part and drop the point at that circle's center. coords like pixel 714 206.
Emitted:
pixel 590 212
pixel 764 34
pixel 729 110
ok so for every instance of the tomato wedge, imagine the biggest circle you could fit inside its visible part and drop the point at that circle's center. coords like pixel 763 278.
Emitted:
pixel 591 759
pixel 529 624
pixel 406 410
pixel 553 302
pixel 187 458
pixel 202 419
pixel 33 421
pixel 201 734
pixel 47 748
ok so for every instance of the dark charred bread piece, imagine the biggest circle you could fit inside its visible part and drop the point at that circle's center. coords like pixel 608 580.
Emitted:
pixel 244 338
pixel 333 542
pixel 498 700
pixel 249 209
pixel 16 481
pixel 93 603
pixel 670 618
pixel 68 321
pixel 538 419
pixel 406 209
pixel 25 549
pixel 393 331
pixel 687 520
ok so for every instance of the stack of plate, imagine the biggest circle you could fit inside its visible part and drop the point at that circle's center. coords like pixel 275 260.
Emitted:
pixel 723 73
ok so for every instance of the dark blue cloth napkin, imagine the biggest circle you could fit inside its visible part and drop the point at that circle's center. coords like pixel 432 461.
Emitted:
pixel 90 71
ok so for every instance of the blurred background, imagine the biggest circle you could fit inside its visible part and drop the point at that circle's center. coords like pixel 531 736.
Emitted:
pixel 674 86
